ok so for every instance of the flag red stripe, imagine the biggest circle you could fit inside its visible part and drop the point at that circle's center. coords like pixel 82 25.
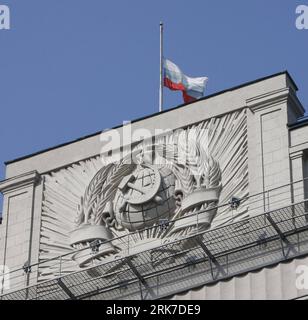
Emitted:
pixel 173 86
pixel 178 86
pixel 188 98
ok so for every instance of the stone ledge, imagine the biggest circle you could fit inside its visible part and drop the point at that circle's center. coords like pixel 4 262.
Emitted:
pixel 297 148
pixel 267 100
pixel 277 96
pixel 20 181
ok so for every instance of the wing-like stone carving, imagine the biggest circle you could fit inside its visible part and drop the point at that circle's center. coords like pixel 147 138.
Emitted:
pixel 192 170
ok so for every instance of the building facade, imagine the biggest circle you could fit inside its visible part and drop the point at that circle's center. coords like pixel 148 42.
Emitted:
pixel 203 201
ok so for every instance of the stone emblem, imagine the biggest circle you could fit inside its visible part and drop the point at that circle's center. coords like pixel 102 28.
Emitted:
pixel 147 198
pixel 153 184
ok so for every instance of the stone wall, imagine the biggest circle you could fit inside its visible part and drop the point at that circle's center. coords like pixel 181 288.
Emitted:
pixel 276 155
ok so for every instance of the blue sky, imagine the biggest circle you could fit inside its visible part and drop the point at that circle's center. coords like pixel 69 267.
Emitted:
pixel 70 68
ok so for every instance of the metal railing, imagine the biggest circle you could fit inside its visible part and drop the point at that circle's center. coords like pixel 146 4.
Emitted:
pixel 232 248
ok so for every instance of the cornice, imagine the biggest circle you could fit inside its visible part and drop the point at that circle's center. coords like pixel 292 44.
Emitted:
pixel 20 181
pixel 283 95
pixel 267 100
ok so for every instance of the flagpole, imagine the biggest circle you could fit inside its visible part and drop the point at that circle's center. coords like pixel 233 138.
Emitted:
pixel 161 84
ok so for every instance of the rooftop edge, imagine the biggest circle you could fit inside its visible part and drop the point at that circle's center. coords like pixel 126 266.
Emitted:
pixel 156 113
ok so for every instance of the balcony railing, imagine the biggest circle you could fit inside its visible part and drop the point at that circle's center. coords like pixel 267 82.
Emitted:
pixel 278 234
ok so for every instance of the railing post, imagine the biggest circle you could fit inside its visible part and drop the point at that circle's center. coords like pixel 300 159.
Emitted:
pixel 197 221
pixel 157 286
pixel 60 266
pixel 227 263
pixel 27 270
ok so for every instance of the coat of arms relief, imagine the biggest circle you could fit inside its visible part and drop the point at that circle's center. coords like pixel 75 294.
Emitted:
pixel 152 194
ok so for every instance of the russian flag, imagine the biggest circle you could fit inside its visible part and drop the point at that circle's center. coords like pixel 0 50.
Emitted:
pixel 175 79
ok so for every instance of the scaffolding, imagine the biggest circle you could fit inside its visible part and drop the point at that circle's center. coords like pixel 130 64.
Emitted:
pixel 181 265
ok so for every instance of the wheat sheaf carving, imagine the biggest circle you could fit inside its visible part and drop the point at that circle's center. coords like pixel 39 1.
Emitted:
pixel 192 166
pixel 101 190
